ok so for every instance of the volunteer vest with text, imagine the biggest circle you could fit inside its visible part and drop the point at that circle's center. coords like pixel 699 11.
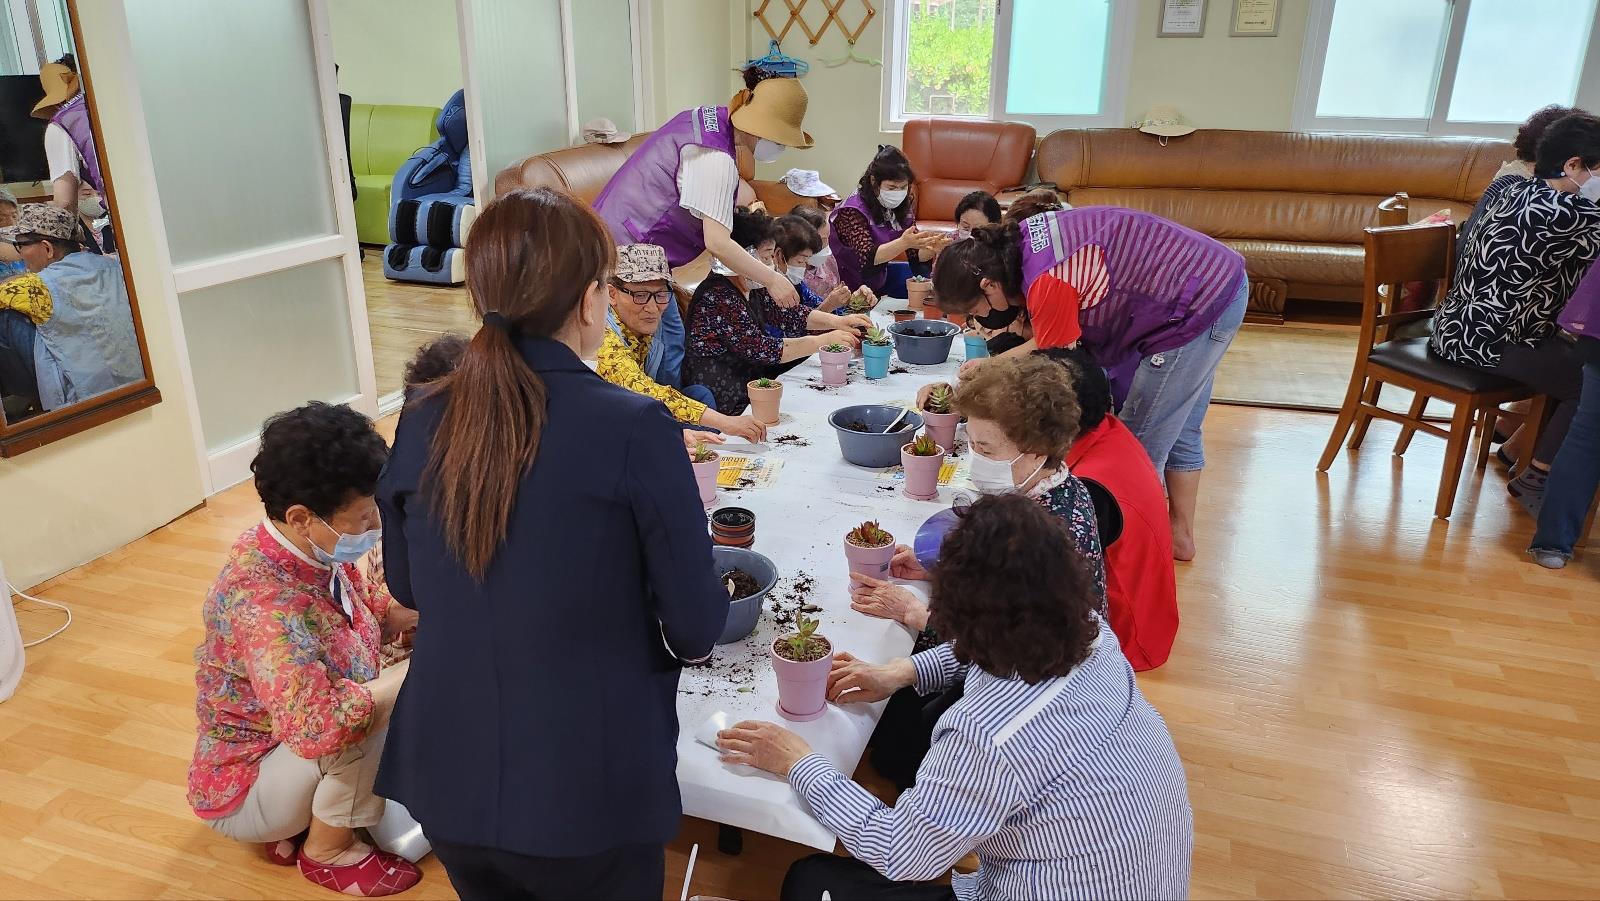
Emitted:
pixel 856 273
pixel 640 203
pixel 73 117
pixel 1145 284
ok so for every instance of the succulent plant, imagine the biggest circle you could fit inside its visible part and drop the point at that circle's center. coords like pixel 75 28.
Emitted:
pixel 835 348
pixel 869 534
pixel 876 335
pixel 939 399
pixel 924 446
pixel 860 302
pixel 703 453
pixel 765 383
pixel 801 643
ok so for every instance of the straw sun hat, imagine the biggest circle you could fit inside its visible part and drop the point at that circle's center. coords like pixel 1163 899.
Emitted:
pixel 774 110
pixel 59 83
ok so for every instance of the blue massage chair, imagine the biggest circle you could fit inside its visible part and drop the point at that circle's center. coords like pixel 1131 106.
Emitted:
pixel 431 207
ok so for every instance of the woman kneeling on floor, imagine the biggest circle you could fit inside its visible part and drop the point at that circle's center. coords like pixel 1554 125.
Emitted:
pixel 1052 768
pixel 292 706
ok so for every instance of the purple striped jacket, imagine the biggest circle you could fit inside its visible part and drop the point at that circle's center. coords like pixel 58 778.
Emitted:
pixel 1163 284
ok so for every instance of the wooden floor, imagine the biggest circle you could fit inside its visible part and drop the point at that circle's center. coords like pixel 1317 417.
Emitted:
pixel 1369 703
pixel 404 316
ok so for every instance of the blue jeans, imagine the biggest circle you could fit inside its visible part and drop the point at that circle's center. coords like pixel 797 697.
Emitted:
pixel 700 393
pixel 1574 475
pixel 1170 391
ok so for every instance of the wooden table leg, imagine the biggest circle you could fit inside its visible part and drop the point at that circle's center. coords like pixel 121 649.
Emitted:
pixel 730 840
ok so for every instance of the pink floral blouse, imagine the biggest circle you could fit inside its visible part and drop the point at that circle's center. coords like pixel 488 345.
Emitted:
pixel 280 663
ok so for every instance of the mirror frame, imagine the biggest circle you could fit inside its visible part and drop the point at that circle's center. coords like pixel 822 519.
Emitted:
pixel 38 431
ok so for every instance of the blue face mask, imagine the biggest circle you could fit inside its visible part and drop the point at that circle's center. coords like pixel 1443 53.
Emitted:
pixel 349 548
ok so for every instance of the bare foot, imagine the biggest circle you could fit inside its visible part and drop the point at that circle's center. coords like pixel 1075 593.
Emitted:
pixel 1182 544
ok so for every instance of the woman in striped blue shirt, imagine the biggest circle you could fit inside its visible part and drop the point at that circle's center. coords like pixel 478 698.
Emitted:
pixel 1052 766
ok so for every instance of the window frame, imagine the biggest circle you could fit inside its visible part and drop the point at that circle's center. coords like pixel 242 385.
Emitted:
pixel 1113 92
pixel 1319 24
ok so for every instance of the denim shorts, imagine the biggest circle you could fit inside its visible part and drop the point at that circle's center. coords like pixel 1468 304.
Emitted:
pixel 1170 391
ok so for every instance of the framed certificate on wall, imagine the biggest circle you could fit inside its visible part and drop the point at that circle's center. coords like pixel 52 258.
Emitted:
pixel 1255 19
pixel 1182 19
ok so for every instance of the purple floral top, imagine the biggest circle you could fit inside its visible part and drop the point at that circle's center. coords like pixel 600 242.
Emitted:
pixel 722 321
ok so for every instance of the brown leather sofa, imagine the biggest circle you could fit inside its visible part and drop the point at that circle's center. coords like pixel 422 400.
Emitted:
pixel 954 157
pixel 1293 203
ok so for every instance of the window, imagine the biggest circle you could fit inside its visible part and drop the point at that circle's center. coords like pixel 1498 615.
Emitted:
pixel 1049 62
pixel 1471 67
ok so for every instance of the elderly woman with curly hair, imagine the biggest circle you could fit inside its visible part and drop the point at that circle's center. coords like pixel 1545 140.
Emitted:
pixel 1052 767
pixel 293 702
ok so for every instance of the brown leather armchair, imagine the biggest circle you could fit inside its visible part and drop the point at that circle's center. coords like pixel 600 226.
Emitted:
pixel 954 157
pixel 1294 204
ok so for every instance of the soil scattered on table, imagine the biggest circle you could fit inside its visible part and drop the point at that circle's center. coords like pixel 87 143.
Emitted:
pixel 823 389
pixel 790 598
pixel 888 488
pixel 742 584
pixel 898 370
pixel 791 440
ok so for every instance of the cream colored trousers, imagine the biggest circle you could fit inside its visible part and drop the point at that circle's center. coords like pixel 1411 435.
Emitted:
pixel 289 790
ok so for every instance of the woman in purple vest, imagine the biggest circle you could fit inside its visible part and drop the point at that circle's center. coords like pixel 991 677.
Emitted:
pixel 1155 303
pixel 878 224
pixel 679 188
pixel 68 139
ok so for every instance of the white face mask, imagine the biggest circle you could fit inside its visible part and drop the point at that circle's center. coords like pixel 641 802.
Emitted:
pixel 91 207
pixel 820 257
pixel 991 476
pixel 796 274
pixel 891 200
pixel 1590 189
pixel 767 151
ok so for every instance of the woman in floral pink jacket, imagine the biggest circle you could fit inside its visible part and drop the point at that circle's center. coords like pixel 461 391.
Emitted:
pixel 291 703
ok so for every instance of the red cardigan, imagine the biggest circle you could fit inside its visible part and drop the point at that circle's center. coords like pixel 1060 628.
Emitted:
pixel 1141 591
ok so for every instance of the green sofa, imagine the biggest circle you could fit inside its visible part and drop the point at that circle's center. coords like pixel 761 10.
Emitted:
pixel 383 136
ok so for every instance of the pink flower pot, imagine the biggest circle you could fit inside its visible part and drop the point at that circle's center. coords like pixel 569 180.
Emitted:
pixel 922 474
pixel 941 428
pixel 705 475
pixel 802 687
pixel 869 561
pixel 835 366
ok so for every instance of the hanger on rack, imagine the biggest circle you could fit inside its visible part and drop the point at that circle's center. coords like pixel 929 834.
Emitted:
pixel 778 63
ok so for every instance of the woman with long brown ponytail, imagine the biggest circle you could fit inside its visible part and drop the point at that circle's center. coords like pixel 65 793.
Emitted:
pixel 548 524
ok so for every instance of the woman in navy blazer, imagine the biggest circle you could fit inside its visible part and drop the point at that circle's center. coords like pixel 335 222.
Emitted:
pixel 547 526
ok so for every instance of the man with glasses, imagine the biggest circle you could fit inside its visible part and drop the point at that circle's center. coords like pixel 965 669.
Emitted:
pixel 632 357
pixel 66 328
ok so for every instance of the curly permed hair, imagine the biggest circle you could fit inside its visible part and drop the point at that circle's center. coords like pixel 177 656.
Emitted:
pixel 1012 593
pixel 1030 397
pixel 322 456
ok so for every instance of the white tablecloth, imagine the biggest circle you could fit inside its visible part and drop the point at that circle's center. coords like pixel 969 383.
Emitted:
pixel 801 521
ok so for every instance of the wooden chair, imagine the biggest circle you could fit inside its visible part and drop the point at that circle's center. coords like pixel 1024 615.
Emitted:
pixel 1397 255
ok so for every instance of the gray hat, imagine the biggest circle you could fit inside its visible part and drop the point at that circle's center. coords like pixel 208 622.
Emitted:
pixel 43 219
pixel 642 263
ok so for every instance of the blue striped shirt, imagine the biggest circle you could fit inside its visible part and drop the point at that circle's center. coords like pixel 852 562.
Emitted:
pixel 1066 789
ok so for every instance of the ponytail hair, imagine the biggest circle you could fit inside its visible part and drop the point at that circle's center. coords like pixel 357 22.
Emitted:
pixel 531 257
pixel 753 75
pixel 994 252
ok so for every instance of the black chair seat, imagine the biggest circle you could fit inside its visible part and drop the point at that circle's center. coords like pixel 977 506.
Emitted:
pixel 1413 357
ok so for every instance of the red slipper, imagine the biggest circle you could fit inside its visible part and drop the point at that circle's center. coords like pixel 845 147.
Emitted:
pixel 284 852
pixel 379 873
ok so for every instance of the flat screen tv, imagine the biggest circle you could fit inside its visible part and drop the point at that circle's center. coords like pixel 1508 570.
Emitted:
pixel 21 135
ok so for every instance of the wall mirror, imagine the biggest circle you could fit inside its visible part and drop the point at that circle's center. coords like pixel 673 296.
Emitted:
pixel 72 349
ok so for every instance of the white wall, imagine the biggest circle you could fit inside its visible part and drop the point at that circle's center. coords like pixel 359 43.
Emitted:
pixel 695 47
pixel 1219 81
pixel 70 502
pixel 602 32
pixel 397 51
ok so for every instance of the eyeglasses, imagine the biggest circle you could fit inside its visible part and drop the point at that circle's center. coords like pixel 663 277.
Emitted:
pixel 643 297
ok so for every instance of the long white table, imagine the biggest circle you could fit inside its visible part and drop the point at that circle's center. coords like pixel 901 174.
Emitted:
pixel 801 521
